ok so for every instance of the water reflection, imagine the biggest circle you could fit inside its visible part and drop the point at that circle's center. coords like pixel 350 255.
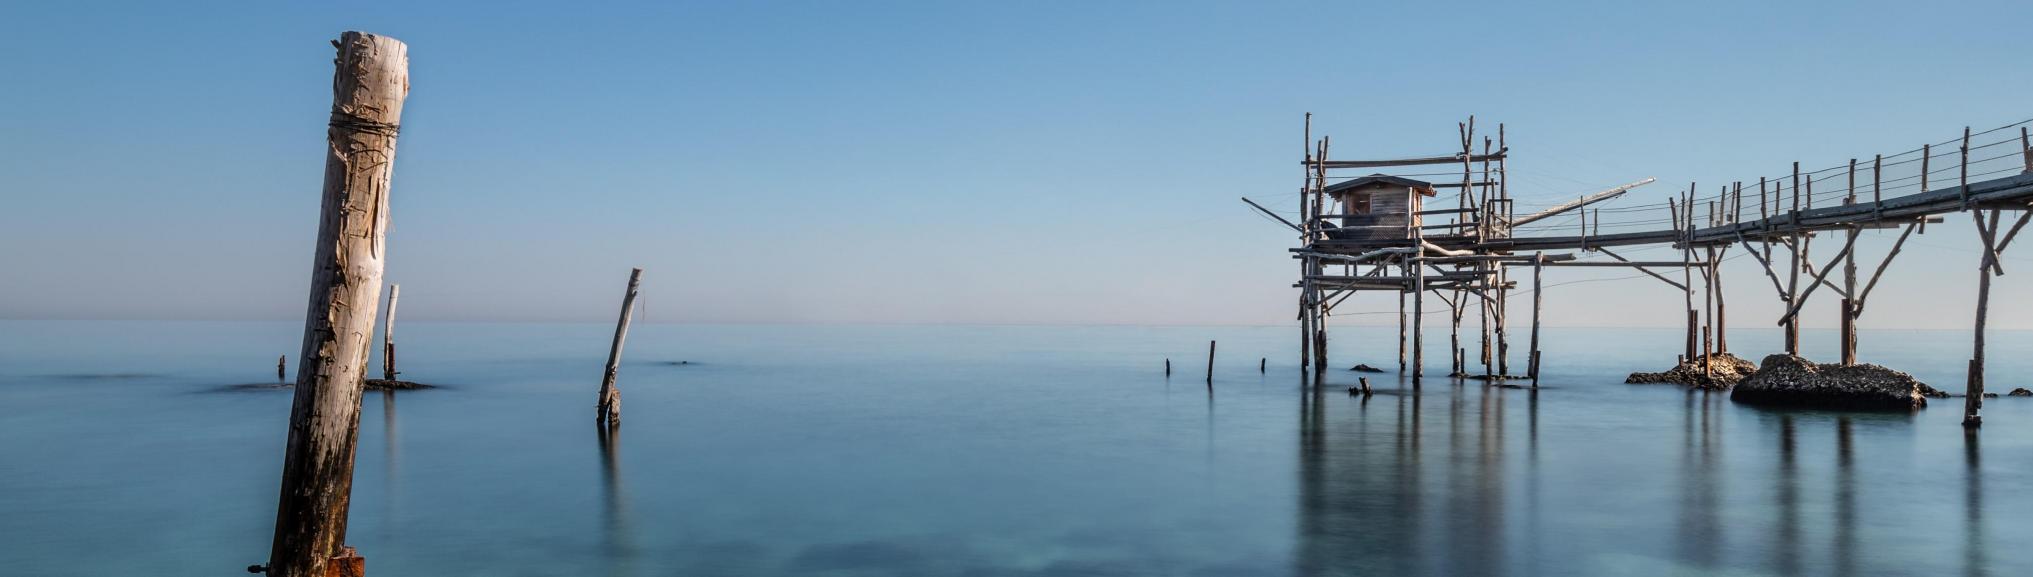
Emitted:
pixel 1384 490
pixel 1975 561
pixel 1700 531
pixel 614 503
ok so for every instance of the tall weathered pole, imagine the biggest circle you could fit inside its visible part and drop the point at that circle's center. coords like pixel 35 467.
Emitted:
pixel 388 371
pixel 368 89
pixel 610 396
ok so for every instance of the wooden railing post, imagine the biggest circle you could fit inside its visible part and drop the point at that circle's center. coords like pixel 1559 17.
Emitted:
pixel 368 89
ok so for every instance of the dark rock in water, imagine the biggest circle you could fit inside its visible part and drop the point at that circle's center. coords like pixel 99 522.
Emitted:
pixel 1365 369
pixel 1990 395
pixel 1723 370
pixel 1931 392
pixel 2020 392
pixel 1790 381
pixel 388 385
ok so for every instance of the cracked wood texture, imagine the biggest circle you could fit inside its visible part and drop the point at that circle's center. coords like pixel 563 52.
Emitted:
pixel 368 88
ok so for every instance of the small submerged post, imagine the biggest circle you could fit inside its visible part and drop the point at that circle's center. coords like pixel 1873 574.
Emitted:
pixel 388 371
pixel 1262 362
pixel 609 410
pixel 1168 368
pixel 368 88
pixel 280 362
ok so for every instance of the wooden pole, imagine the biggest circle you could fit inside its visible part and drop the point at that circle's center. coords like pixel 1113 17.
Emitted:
pixel 368 87
pixel 608 412
pixel 1168 368
pixel 1418 319
pixel 388 371
pixel 1210 364
pixel 1721 306
pixel 1792 325
pixel 1687 269
pixel 1538 302
pixel 1401 332
pixel 281 362
pixel 1973 391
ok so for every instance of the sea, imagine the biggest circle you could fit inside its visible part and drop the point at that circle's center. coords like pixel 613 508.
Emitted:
pixel 155 448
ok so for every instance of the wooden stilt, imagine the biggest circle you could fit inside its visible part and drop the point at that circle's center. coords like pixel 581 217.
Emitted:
pixel 1168 368
pixel 1538 302
pixel 1973 390
pixel 1418 320
pixel 1401 332
pixel 609 409
pixel 388 371
pixel 368 90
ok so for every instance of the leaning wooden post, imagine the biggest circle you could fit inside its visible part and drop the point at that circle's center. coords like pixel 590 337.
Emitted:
pixel 609 410
pixel 368 88
pixel 388 371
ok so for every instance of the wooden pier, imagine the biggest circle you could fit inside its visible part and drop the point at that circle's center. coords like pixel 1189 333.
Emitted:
pixel 1397 233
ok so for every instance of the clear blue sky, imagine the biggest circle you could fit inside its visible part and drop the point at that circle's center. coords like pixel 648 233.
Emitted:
pixel 1055 162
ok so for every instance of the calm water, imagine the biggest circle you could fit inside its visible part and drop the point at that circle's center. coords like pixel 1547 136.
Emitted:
pixel 912 450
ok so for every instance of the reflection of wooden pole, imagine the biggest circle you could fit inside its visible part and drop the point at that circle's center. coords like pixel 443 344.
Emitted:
pixel 368 88
pixel 388 335
pixel 610 396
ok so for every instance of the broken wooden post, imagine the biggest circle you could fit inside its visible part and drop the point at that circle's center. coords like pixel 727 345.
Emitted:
pixel 1262 362
pixel 609 410
pixel 281 362
pixel 1210 364
pixel 1168 368
pixel 388 371
pixel 1973 388
pixel 368 87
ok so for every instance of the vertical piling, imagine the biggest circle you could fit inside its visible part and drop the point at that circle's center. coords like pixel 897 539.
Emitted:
pixel 388 371
pixel 1538 302
pixel 281 362
pixel 368 88
pixel 609 410
pixel 1401 332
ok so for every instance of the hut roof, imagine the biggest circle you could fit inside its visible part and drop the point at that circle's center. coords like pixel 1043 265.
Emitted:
pixel 1424 188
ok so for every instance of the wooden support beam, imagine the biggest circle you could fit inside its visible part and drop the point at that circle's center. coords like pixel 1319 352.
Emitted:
pixel 1819 280
pixel 1538 302
pixel 1642 269
pixel 1584 200
pixel 368 90
pixel 1865 296
pixel 1416 161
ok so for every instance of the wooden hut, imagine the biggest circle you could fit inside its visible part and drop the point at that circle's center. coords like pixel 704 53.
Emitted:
pixel 1378 207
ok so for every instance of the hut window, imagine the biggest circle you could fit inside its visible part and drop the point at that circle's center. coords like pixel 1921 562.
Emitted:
pixel 1358 204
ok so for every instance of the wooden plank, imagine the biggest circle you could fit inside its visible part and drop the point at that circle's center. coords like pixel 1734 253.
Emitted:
pixel 1417 161
pixel 369 86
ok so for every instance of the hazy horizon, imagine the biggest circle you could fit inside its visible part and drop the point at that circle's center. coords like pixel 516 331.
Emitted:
pixel 888 163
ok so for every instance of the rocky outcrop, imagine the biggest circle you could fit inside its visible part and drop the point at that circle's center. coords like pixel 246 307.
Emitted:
pixel 1716 372
pixel 1790 381
pixel 2021 392
pixel 388 385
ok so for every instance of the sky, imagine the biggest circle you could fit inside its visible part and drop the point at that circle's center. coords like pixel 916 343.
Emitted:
pixel 959 162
